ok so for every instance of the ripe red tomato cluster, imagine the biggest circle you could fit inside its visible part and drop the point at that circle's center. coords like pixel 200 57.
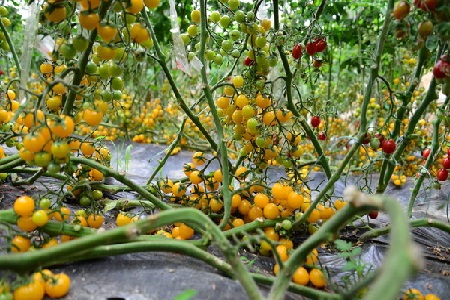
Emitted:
pixel 426 5
pixel 316 46
pixel 442 174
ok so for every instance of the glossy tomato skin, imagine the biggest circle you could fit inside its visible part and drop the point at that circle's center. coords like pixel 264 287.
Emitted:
pixel 248 61
pixel 321 44
pixel 311 48
pixel 315 121
pixel 401 10
pixel 446 163
pixel 317 63
pixel 322 136
pixel 296 51
pixel 426 152
pixel 442 175
pixel 373 214
pixel 388 146
pixel 442 68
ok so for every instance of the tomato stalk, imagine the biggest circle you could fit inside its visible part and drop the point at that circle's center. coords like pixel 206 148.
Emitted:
pixel 161 61
pixel 11 48
pixel 387 170
pixel 290 103
pixel 83 61
pixel 427 166
pixel 107 172
pixel 389 281
pixel 425 222
pixel 222 151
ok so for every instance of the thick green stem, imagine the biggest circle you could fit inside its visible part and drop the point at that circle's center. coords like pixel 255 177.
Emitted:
pixel 425 222
pixel 162 62
pixel 428 163
pixel 168 152
pixel 401 111
pixel 153 245
pixel 406 138
pixel 11 48
pixel 375 67
pixel 123 179
pixel 330 184
pixel 83 61
pixel 290 102
pixel 222 153
pixel 402 259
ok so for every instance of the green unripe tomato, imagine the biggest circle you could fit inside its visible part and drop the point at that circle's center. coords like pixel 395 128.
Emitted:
pixel 233 4
pixel 185 38
pixel 209 54
pixel 227 45
pixel 225 21
pixel 215 16
pixel 218 59
pixel 239 16
pixel 235 35
pixel 117 84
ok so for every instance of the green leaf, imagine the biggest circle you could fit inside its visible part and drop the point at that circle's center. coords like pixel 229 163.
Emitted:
pixel 186 295
pixel 350 266
pixel 343 245
pixel 109 206
pixel 356 251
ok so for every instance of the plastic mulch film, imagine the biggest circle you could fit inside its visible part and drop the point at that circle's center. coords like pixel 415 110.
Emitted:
pixel 195 65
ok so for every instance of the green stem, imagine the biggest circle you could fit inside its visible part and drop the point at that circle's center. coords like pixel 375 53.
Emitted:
pixel 290 102
pixel 406 138
pixel 168 152
pixel 306 291
pixel 428 163
pixel 425 222
pixel 161 60
pixel 83 61
pixel 375 67
pixel 402 259
pixel 11 48
pixel 330 184
pixel 153 245
pixel 222 153
pixel 123 179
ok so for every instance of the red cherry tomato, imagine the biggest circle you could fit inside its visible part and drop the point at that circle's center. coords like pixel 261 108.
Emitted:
pixel 248 61
pixel 446 163
pixel 322 136
pixel 388 146
pixel 315 121
pixel 442 175
pixel 373 214
pixel 321 44
pixel 311 48
pixel 442 68
pixel 426 152
pixel 296 51
pixel 317 63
